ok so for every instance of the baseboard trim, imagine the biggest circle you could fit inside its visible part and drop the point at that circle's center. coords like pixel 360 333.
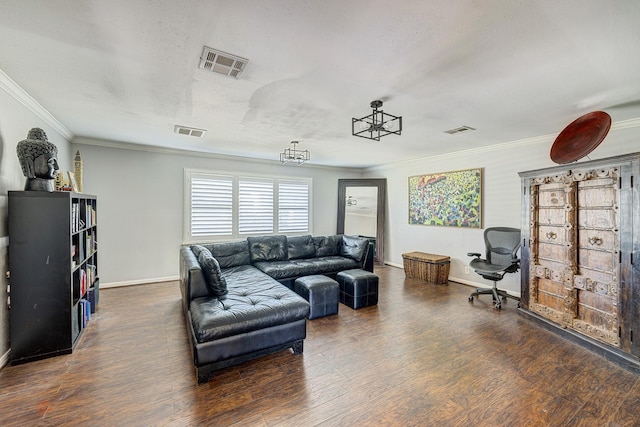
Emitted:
pixel 461 281
pixel 138 282
pixel 612 354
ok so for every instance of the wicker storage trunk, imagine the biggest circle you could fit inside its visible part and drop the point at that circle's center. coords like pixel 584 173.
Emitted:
pixel 430 267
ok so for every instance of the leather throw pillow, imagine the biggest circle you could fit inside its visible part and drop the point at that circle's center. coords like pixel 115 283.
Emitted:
pixel 354 247
pixel 216 283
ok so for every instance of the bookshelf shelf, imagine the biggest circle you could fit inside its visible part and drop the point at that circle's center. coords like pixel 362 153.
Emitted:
pixel 53 260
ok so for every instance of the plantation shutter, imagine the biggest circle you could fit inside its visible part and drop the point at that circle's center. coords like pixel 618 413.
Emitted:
pixel 293 207
pixel 211 206
pixel 255 206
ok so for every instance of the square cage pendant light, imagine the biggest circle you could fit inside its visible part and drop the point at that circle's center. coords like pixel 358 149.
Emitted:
pixel 293 155
pixel 377 124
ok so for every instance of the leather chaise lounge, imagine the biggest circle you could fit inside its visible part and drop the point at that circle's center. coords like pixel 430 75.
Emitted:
pixel 238 297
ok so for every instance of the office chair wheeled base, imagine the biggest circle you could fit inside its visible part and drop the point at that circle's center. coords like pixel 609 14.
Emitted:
pixel 499 296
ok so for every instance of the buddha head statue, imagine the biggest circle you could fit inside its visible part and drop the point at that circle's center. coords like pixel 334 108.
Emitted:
pixel 39 161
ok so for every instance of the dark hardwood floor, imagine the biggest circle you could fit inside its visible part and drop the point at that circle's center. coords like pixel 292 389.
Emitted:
pixel 424 356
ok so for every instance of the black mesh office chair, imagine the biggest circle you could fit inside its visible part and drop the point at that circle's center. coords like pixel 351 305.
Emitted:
pixel 502 245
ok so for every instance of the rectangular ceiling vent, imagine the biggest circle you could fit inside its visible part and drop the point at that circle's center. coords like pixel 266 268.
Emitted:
pixel 184 130
pixel 220 62
pixel 461 129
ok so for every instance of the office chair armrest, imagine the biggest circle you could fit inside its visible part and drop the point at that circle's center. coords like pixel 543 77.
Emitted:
pixel 475 254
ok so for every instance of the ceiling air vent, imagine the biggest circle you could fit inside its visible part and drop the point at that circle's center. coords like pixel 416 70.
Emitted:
pixel 184 130
pixel 220 62
pixel 461 129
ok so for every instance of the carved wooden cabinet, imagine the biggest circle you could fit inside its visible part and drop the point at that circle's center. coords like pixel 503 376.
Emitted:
pixel 580 231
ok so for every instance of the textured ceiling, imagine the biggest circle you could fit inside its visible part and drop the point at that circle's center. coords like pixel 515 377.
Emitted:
pixel 127 71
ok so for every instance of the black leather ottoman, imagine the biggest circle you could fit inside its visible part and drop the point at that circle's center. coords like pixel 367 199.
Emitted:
pixel 321 292
pixel 358 288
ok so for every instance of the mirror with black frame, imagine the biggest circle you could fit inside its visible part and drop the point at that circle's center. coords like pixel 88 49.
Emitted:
pixel 361 209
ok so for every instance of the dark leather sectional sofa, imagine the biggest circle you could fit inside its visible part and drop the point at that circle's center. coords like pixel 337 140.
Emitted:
pixel 238 297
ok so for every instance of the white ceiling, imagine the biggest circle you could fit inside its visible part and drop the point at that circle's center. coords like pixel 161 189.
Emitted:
pixel 127 70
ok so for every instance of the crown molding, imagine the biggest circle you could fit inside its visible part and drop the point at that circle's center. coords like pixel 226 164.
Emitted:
pixel 456 154
pixel 83 140
pixel 619 125
pixel 626 124
pixel 13 89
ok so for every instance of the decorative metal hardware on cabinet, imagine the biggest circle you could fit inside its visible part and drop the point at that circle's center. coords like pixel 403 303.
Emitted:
pixel 580 230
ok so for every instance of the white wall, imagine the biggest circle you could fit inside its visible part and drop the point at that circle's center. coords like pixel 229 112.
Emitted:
pixel 501 198
pixel 141 211
pixel 18 114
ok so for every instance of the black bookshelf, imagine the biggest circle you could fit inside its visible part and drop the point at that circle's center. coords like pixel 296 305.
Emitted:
pixel 53 264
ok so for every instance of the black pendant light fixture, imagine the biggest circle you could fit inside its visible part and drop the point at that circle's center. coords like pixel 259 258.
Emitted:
pixel 377 124
pixel 293 155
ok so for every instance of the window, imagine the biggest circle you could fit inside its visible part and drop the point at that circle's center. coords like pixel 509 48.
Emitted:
pixel 293 207
pixel 255 207
pixel 227 207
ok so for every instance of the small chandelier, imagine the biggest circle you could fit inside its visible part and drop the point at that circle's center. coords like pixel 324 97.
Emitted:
pixel 377 124
pixel 351 201
pixel 293 155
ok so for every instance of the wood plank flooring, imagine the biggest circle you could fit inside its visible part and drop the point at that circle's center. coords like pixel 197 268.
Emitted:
pixel 424 356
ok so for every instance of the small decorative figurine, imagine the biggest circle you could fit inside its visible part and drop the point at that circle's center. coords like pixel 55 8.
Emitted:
pixel 77 170
pixel 39 161
pixel 59 182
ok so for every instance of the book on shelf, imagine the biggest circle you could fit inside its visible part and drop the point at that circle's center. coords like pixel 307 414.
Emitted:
pixel 84 312
pixel 93 296
pixel 91 274
pixel 83 282
pixel 74 217
pixel 90 215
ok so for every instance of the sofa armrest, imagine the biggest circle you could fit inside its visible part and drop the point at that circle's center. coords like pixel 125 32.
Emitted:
pixel 367 260
pixel 192 280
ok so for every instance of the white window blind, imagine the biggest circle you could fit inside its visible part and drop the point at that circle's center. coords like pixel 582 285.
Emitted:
pixel 211 206
pixel 228 207
pixel 255 207
pixel 293 207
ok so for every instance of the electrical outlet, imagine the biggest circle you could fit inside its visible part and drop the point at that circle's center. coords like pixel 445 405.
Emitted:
pixel 466 270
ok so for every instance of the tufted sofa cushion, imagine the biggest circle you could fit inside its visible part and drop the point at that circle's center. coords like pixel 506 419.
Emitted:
pixel 268 248
pixel 230 254
pixel 301 247
pixel 306 267
pixel 254 301
pixel 327 245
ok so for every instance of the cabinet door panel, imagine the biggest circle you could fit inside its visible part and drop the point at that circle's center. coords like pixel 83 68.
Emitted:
pixel 592 300
pixel 552 234
pixel 597 218
pixel 597 192
pixel 550 251
pixel 596 260
pixel 597 317
pixel 547 267
pixel 551 294
pixel 551 216
pixel 603 240
pixel 552 195
pixel 602 283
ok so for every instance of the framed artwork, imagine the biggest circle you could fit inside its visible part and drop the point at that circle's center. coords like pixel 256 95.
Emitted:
pixel 450 199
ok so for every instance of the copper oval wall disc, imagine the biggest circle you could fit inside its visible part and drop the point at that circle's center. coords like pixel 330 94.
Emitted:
pixel 581 137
